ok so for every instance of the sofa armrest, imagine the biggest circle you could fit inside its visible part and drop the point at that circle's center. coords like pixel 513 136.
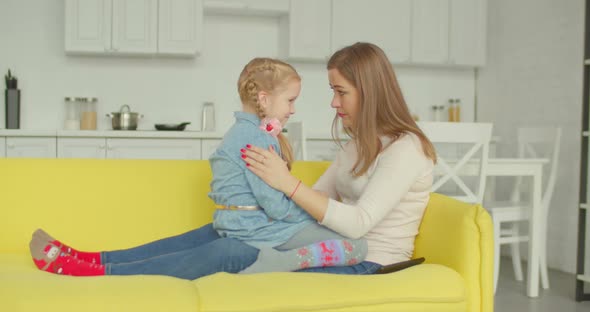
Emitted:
pixel 460 236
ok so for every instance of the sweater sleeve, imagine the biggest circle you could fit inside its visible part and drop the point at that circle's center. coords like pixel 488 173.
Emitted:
pixel 327 181
pixel 397 169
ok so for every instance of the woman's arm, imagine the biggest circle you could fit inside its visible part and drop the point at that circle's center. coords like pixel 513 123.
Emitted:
pixel 397 169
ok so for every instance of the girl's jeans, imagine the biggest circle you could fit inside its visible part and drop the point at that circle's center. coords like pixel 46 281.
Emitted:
pixel 189 256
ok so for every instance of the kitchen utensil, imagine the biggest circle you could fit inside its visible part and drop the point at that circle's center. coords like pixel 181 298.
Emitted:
pixel 172 127
pixel 124 119
pixel 208 117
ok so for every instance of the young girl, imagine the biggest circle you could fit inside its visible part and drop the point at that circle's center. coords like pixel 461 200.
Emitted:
pixel 249 212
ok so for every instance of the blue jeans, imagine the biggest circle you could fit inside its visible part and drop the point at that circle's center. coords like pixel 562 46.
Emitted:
pixel 189 256
pixel 363 268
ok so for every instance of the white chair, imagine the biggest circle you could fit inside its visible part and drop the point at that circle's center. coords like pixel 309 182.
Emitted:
pixel 456 162
pixel 298 139
pixel 530 141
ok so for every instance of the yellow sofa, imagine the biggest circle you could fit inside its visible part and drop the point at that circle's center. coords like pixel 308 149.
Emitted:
pixel 112 204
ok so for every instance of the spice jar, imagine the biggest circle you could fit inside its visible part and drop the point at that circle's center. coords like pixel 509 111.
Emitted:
pixel 72 115
pixel 88 113
pixel 437 112
pixel 454 110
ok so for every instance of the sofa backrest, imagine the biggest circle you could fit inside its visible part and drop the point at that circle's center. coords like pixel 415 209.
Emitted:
pixel 99 204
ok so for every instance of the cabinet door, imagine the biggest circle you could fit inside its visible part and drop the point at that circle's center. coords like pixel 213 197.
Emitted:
pixel 31 147
pixel 154 148
pixel 208 146
pixel 81 148
pixel 87 26
pixel 468 32
pixel 308 28
pixel 135 25
pixel 385 23
pixel 430 31
pixel 2 147
pixel 322 150
pixel 180 27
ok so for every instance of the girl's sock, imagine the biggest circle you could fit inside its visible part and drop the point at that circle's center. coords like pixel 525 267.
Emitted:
pixel 41 238
pixel 51 259
pixel 336 252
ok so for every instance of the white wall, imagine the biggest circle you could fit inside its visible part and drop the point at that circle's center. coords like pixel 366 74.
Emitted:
pixel 534 77
pixel 172 89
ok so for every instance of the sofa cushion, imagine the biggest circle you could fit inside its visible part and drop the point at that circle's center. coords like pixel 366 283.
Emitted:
pixel 24 288
pixel 413 289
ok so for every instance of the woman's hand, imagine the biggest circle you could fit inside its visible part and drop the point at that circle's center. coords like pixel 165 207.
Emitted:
pixel 269 167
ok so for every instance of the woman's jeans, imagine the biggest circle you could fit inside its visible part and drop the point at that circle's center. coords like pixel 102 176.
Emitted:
pixel 189 256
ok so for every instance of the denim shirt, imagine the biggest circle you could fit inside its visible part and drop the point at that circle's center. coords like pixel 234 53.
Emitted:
pixel 234 184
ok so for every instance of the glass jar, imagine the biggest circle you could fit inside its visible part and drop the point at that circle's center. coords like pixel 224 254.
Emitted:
pixel 437 112
pixel 72 114
pixel 88 113
pixel 454 110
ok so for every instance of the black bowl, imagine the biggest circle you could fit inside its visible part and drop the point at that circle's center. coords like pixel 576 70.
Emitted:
pixel 172 127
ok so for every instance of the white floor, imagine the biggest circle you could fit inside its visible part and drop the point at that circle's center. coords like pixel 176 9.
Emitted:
pixel 560 297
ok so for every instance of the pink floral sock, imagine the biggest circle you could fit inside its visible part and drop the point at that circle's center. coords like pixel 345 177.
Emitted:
pixel 335 252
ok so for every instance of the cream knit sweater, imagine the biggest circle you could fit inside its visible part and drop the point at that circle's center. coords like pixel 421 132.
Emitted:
pixel 385 205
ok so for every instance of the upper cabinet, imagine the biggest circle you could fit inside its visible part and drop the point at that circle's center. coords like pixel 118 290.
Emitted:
pixel 430 31
pixel 385 23
pixel 467 38
pixel 305 31
pixel 2 147
pixel 133 26
pixel 449 32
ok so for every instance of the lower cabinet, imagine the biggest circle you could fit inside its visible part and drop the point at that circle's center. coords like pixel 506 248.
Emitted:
pixel 2 147
pixel 31 147
pixel 81 148
pixel 153 148
pixel 208 146
pixel 324 150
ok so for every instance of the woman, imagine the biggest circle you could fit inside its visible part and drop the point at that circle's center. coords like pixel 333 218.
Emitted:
pixel 379 184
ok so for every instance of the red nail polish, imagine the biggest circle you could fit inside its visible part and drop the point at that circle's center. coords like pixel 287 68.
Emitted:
pixel 244 156
pixel 248 145
pixel 242 150
pixel 247 165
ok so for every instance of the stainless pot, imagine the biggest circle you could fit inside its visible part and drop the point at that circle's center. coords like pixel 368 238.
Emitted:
pixel 124 119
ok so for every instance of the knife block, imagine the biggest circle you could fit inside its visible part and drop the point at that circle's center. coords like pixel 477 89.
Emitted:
pixel 12 100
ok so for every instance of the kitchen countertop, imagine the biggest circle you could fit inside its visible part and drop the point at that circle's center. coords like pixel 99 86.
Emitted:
pixel 111 134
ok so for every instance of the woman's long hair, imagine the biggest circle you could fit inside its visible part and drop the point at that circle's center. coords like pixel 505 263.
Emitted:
pixel 383 110
pixel 269 75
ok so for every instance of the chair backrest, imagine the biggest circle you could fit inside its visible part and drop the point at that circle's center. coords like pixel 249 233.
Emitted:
pixel 462 154
pixel 540 142
pixel 297 138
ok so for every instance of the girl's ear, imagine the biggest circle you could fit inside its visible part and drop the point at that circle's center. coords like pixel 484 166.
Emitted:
pixel 262 99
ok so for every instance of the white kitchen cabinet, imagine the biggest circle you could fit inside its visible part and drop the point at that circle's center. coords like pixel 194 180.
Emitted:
pixel 133 26
pixel 385 23
pixel 137 148
pixel 247 7
pixel 467 37
pixel 430 31
pixel 208 146
pixel 31 147
pixel 88 25
pixel 306 30
pixel 2 147
pixel 180 27
pixel 325 150
pixel 81 148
